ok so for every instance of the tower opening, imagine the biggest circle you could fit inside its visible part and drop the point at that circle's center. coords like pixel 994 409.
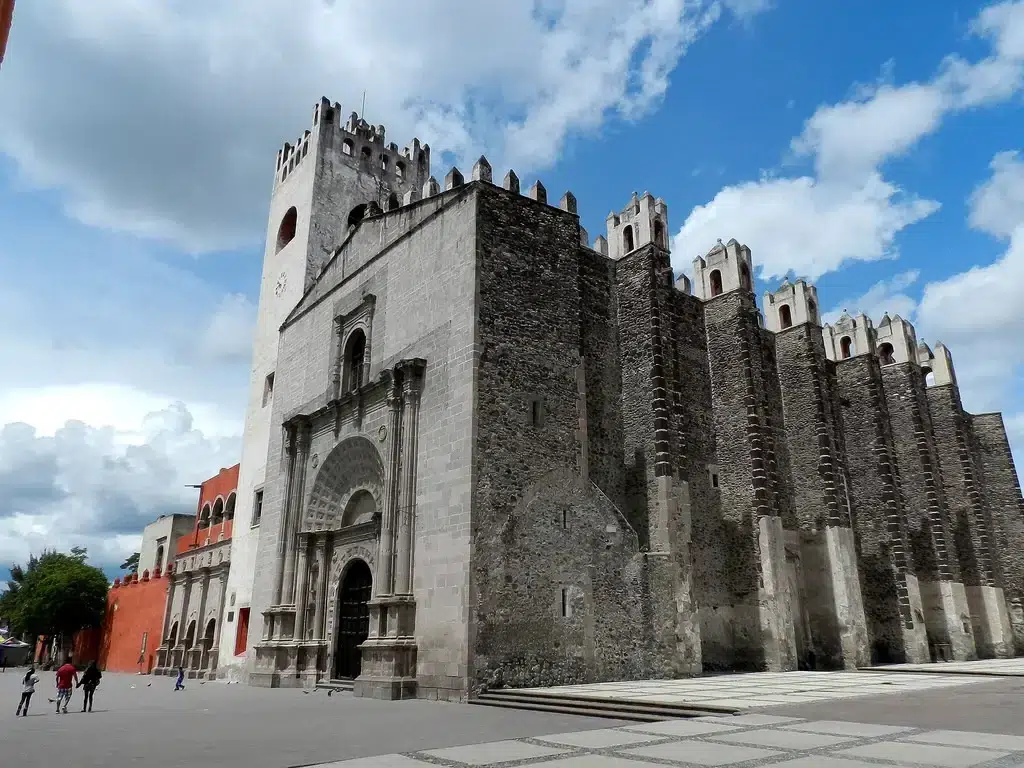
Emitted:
pixel 812 311
pixel 286 232
pixel 745 282
pixel 356 215
pixel 716 282
pixel 785 317
pixel 627 239
pixel 392 202
pixel 885 354
pixel 355 356
pixel 845 347
pixel 659 234
pixel 347 147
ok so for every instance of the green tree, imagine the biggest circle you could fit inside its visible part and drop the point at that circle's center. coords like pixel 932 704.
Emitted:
pixel 131 564
pixel 57 594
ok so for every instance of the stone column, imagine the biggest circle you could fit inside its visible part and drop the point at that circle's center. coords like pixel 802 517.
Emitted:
pixel 386 554
pixel 407 489
pixel 302 590
pixel 294 513
pixel 321 588
pixel 282 538
pixel 169 604
pixel 183 621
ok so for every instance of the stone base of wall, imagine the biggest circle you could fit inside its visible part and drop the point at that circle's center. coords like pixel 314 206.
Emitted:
pixel 778 637
pixel 846 594
pixel 948 618
pixel 915 638
pixel 992 631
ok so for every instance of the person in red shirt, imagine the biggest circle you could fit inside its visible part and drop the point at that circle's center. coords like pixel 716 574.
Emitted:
pixel 67 678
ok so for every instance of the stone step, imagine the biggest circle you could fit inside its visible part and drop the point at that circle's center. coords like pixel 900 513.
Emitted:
pixel 613 708
pixel 336 685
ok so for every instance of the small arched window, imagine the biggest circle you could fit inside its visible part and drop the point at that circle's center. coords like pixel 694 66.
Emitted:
pixel 392 202
pixel 218 512
pixel 659 233
pixel 229 508
pixel 366 157
pixel 845 347
pixel 211 628
pixel 627 239
pixel 812 311
pixel 885 354
pixel 356 215
pixel 204 517
pixel 286 232
pixel 159 562
pixel 172 636
pixel 929 377
pixel 355 358
pixel 190 635
pixel 400 170
pixel 347 148
pixel 383 162
pixel 716 282
pixel 785 317
pixel 745 282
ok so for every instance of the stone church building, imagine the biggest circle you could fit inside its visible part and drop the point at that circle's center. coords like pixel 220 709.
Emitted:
pixel 483 451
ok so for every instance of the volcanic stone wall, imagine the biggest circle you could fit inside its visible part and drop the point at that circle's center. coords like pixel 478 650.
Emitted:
pixel 559 587
pixel 746 464
pixel 878 509
pixel 811 436
pixel 1006 510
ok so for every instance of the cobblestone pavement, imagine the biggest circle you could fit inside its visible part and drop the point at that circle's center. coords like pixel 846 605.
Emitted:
pixel 1006 667
pixel 747 740
pixel 761 689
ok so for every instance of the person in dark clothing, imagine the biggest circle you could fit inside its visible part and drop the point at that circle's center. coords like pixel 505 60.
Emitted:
pixel 90 680
pixel 179 684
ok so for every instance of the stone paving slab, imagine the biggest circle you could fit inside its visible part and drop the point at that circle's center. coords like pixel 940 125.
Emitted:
pixel 986 667
pixel 767 689
pixel 749 740
pixel 924 754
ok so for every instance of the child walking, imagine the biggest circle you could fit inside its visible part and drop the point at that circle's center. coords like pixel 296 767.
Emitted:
pixel 179 684
pixel 28 687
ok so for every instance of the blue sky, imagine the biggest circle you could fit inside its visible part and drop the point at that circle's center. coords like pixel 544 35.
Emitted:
pixel 866 145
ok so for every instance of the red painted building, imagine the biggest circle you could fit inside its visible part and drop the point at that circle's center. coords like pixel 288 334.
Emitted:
pixel 6 18
pixel 197 590
pixel 139 620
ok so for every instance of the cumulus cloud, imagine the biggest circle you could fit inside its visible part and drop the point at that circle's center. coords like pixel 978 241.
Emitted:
pixel 884 296
pixel 997 206
pixel 101 99
pixel 99 486
pixel 847 211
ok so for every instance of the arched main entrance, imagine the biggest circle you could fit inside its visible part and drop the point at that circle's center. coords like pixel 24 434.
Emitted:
pixel 353 619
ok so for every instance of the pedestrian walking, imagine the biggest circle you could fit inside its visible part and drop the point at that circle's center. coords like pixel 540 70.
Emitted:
pixel 90 681
pixel 28 687
pixel 179 684
pixel 66 675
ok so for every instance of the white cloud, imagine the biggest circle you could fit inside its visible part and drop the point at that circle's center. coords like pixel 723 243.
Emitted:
pixel 884 296
pixel 803 224
pixel 997 206
pixel 99 100
pixel 98 486
pixel 847 211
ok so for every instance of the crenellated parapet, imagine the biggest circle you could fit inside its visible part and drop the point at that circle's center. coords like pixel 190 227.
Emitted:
pixel 356 138
pixel 848 337
pixel 726 267
pixel 791 304
pixel 643 221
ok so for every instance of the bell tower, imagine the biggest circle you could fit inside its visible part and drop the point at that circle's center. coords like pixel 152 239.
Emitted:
pixel 323 185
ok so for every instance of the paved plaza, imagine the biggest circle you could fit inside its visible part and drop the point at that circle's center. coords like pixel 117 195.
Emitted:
pixel 762 689
pixel 854 720
pixel 998 667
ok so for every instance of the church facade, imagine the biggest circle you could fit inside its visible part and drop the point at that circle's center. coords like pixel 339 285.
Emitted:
pixel 482 451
